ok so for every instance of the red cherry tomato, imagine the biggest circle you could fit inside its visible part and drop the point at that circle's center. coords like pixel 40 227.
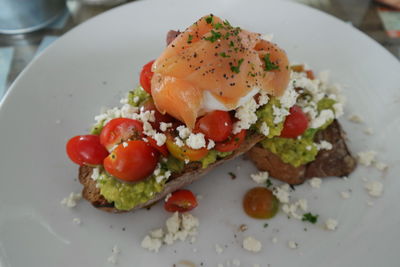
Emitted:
pixel 216 125
pixel 120 129
pixel 149 106
pixel 232 143
pixel 86 150
pixel 133 162
pixel 145 77
pixel 162 149
pixel 182 200
pixel 295 123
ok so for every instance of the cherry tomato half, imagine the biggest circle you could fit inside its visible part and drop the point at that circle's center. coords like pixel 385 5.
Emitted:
pixel 120 129
pixel 162 149
pixel 232 143
pixel 260 203
pixel 216 125
pixel 132 162
pixel 295 123
pixel 86 150
pixel 145 77
pixel 184 152
pixel 182 200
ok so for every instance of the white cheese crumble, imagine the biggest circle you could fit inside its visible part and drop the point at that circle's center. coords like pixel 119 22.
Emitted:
pixel 77 221
pixel 164 126
pixel 210 144
pixel 264 129
pixel 183 132
pixel 246 115
pixel 292 244
pixel 196 141
pixel 160 138
pixel 218 249
pixel 252 244
pixel 324 145
pixel 331 224
pixel 167 197
pixel 260 178
pixel 355 118
pixel 114 255
pixel 381 166
pixel 366 157
pixel 315 182
pixel 291 209
pixel 279 114
pixel 345 194
pixel 323 117
pixel 374 188
pixel 289 97
pixel 179 142
pixel 95 173
pixel 178 227
pixel 267 37
pixel 71 200
pixel 282 193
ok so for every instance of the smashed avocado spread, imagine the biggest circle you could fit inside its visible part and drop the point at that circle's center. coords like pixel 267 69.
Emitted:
pixel 266 114
pixel 212 157
pixel 299 151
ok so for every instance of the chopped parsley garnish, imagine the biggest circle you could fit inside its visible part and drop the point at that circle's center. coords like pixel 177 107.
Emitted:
pixel 268 183
pixel 308 217
pixel 233 176
pixel 223 54
pixel 236 69
pixel 190 38
pixel 236 30
pixel 269 65
pixel 218 26
pixel 231 44
pixel 265 225
pixel 214 36
pixel 209 19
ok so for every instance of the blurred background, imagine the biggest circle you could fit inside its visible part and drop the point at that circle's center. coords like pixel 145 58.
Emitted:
pixel 27 27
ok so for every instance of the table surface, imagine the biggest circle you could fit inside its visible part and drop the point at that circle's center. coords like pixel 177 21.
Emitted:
pixel 362 14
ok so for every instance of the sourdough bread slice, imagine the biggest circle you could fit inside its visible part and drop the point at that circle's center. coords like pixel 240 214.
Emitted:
pixel 192 172
pixel 337 161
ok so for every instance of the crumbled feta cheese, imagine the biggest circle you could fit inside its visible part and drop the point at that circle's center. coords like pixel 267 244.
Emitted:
pixel 196 141
pixel 381 166
pixel 136 99
pixel 293 245
pixel 289 97
pixel 374 188
pixel 246 115
pixel 124 100
pixel 151 244
pixel 164 126
pixel 331 224
pixel 291 208
pixel 260 178
pixel 114 256
pixel 77 221
pixel 367 157
pixel 324 145
pixel 279 114
pixel 338 108
pixel 252 244
pixel 179 142
pixel 308 148
pixel 355 118
pixel 315 182
pixel 368 131
pixel 183 132
pixel 178 227
pixel 157 233
pixel 345 194
pixel 160 138
pixel 323 117
pixel 263 99
pixel 267 37
pixel 218 249
pixel 95 173
pixel 264 129
pixel 128 111
pixel 210 144
pixel 71 200
pixel 282 193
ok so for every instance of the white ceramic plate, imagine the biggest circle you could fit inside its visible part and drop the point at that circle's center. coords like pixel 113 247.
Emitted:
pixel 98 62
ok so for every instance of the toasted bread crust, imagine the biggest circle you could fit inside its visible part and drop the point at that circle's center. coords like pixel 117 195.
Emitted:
pixel 337 161
pixel 192 172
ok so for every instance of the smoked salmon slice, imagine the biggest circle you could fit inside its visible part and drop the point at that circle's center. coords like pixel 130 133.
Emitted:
pixel 211 55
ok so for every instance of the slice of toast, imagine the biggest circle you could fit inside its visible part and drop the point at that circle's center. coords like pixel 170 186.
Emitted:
pixel 192 172
pixel 337 161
